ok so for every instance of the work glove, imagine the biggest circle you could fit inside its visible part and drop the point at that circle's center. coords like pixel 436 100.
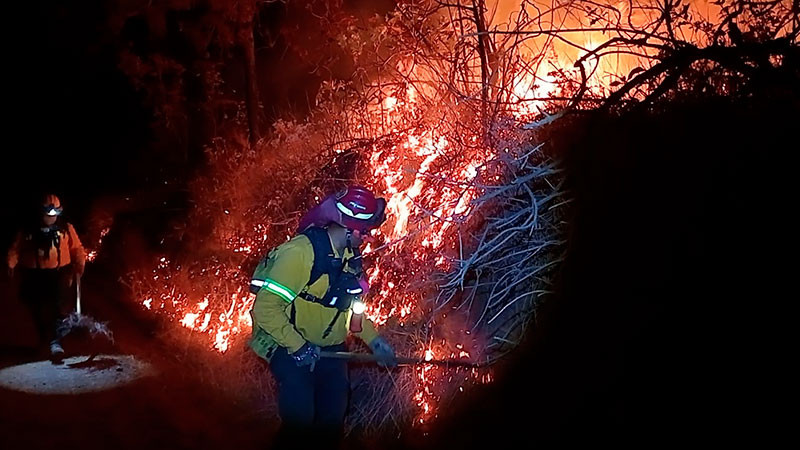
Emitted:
pixel 384 352
pixel 307 355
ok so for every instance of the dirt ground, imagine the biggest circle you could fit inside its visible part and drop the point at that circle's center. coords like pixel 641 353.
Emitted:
pixel 163 407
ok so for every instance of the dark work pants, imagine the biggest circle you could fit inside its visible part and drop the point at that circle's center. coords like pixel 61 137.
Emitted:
pixel 312 405
pixel 45 293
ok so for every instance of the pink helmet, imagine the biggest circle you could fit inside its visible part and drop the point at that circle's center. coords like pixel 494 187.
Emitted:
pixel 355 208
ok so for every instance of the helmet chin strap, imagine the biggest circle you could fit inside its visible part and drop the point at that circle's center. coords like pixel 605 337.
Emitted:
pixel 349 241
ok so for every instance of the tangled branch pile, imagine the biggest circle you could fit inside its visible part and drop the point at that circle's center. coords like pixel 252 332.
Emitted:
pixel 516 254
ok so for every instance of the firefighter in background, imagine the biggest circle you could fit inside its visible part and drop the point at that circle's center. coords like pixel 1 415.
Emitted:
pixel 49 255
pixel 309 296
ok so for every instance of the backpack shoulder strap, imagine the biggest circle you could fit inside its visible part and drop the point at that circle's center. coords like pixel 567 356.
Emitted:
pixel 323 252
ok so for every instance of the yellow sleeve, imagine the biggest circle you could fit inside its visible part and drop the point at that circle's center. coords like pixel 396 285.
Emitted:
pixel 76 252
pixel 287 274
pixel 13 252
pixel 368 332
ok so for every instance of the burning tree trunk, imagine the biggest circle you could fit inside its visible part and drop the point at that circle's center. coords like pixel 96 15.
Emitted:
pixel 247 10
pixel 484 51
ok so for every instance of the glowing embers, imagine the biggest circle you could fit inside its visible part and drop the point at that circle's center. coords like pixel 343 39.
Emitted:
pixel 207 297
pixel 77 375
pixel 436 382
pixel 92 254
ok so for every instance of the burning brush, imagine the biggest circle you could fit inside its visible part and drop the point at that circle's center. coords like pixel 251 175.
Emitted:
pixel 77 320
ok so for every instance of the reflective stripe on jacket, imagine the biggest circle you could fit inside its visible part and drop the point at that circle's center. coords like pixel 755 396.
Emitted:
pixel 288 271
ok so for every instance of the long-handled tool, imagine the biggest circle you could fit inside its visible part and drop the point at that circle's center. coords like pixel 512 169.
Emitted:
pixel 77 320
pixel 78 294
pixel 401 360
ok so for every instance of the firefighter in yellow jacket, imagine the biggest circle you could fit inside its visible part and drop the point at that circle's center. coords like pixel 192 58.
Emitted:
pixel 49 255
pixel 309 297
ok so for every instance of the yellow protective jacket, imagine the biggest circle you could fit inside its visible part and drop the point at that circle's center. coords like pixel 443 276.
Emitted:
pixel 289 270
pixel 24 252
